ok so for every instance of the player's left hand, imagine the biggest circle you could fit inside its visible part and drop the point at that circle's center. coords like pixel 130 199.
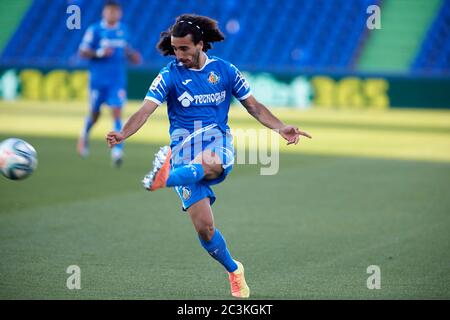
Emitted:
pixel 292 134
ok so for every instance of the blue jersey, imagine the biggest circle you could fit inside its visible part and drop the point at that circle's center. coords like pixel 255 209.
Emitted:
pixel 198 94
pixel 109 70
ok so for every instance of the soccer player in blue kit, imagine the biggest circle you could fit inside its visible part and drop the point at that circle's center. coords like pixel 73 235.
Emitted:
pixel 106 45
pixel 198 90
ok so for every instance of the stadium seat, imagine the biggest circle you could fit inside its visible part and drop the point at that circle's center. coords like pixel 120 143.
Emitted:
pixel 279 36
pixel 433 56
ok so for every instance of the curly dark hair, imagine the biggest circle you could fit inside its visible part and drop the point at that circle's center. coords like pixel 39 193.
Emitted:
pixel 112 3
pixel 201 28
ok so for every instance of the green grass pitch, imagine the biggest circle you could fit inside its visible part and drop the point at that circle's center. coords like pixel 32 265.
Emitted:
pixel 371 188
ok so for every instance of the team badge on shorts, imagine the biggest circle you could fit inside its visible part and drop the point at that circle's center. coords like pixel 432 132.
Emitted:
pixel 186 192
pixel 213 78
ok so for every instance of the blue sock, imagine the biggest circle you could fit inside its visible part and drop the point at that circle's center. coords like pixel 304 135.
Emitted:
pixel 118 127
pixel 217 248
pixel 87 127
pixel 185 175
pixel 117 124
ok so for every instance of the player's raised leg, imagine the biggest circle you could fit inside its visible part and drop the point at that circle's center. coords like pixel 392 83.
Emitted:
pixel 83 140
pixel 214 243
pixel 207 165
pixel 96 100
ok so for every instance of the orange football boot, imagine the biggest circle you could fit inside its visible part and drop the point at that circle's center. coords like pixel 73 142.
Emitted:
pixel 239 287
pixel 157 177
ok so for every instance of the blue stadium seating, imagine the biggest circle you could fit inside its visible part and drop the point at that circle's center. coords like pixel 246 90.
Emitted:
pixel 280 36
pixel 434 55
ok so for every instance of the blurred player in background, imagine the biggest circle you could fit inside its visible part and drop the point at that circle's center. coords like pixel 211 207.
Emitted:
pixel 106 45
pixel 198 89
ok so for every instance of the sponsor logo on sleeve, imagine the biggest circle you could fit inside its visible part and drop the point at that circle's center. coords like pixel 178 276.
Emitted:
pixel 156 82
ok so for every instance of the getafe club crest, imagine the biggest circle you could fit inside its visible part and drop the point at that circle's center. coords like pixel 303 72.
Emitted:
pixel 186 193
pixel 213 78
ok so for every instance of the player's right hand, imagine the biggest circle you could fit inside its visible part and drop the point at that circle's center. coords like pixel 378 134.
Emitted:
pixel 113 138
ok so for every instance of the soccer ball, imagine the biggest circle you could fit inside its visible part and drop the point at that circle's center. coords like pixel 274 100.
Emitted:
pixel 18 159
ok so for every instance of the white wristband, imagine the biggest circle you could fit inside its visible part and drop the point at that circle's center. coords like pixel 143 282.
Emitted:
pixel 100 53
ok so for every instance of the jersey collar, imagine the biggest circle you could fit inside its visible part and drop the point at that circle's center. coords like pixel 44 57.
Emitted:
pixel 104 25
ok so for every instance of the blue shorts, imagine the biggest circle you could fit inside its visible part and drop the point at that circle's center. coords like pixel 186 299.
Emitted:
pixel 113 96
pixel 185 147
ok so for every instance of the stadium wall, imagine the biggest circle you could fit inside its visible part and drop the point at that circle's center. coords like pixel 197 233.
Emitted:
pixel 320 90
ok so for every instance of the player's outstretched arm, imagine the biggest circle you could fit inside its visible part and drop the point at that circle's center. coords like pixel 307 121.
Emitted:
pixel 99 53
pixel 133 55
pixel 133 124
pixel 263 115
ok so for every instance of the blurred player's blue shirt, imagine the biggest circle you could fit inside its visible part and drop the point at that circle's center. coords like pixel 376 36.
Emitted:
pixel 110 70
pixel 198 95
